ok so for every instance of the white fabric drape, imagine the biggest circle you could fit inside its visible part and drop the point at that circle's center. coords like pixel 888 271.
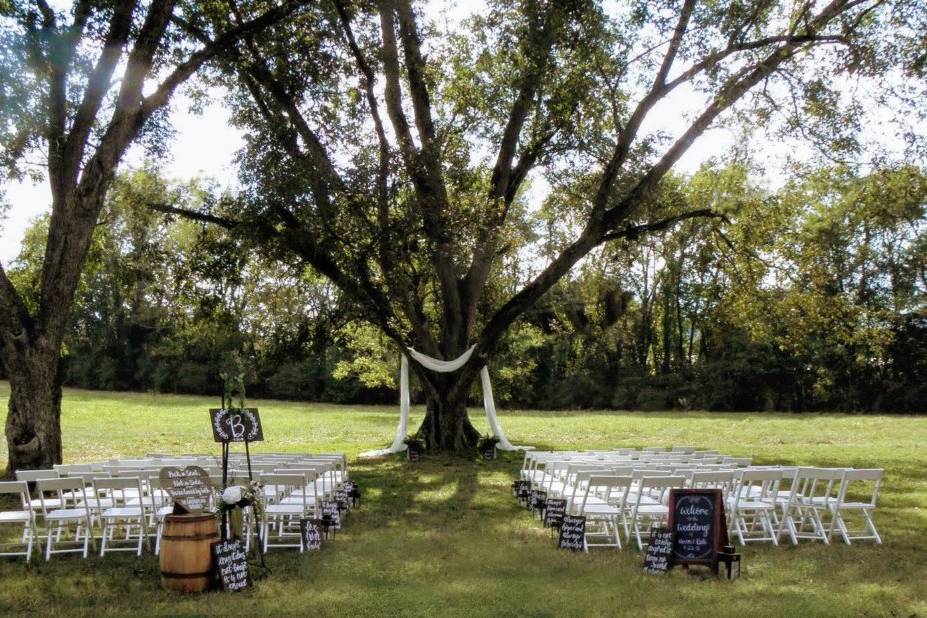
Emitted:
pixel 398 446
pixel 442 366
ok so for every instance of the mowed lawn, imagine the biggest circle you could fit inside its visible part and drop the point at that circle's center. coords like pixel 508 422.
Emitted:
pixel 445 537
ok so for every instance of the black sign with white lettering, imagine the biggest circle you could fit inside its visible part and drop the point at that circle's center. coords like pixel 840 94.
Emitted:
pixel 236 425
pixel 331 509
pixel 554 512
pixel 523 492
pixel 572 533
pixel 489 454
pixel 311 532
pixel 538 500
pixel 696 518
pixel 343 498
pixel 230 560
pixel 659 556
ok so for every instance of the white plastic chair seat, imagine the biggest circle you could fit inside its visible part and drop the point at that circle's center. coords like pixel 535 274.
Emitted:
pixel 297 500
pixel 99 504
pixel 122 512
pixel 284 509
pixel 164 511
pixel 66 515
pixel 600 509
pixel 859 506
pixel 15 516
pixel 753 505
pixel 653 509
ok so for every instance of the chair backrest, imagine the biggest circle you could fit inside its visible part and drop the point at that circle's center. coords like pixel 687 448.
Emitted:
pixel 818 485
pixel 119 489
pixel 610 488
pixel 715 479
pixel 70 492
pixel 754 484
pixel 17 487
pixel 34 475
pixel 286 485
pixel 660 484
pixel 856 478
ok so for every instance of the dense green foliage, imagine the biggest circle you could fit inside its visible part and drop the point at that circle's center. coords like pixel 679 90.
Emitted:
pixel 808 297
pixel 445 537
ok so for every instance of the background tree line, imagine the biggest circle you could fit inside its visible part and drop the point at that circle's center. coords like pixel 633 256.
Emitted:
pixel 809 297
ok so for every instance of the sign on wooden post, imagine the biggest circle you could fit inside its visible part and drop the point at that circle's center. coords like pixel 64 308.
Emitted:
pixel 696 518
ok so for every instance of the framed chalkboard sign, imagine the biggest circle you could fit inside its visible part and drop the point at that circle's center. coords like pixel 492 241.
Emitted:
pixel 554 512
pixel 311 532
pixel 231 564
pixel 236 425
pixel 659 556
pixel 572 533
pixel 696 518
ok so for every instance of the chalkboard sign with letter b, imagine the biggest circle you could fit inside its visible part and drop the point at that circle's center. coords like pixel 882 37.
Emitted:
pixel 236 425
pixel 696 518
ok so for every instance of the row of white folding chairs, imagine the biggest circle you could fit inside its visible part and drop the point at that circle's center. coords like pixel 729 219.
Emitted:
pixel 758 509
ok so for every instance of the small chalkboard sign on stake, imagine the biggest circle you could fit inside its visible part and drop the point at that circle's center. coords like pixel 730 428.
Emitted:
pixel 554 512
pixel 659 556
pixel 696 518
pixel 331 509
pixel 311 532
pixel 572 533
pixel 231 564
pixel 523 492
pixel 538 502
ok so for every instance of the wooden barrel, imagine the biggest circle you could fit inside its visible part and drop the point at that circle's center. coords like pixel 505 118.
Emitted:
pixel 186 559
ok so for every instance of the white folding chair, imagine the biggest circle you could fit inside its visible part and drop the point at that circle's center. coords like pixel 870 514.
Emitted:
pixel 854 482
pixel 24 517
pixel 752 505
pixel 814 491
pixel 126 511
pixel 293 503
pixel 67 507
pixel 602 505
pixel 650 502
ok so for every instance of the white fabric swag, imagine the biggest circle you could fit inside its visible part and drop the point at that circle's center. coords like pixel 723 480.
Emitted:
pixel 442 366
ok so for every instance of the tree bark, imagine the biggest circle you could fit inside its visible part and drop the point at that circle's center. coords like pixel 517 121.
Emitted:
pixel 33 422
pixel 447 427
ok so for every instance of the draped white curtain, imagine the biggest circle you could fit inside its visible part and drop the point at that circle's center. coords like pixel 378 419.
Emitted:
pixel 442 366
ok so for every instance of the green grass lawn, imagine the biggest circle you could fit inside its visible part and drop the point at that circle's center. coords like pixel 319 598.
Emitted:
pixel 445 537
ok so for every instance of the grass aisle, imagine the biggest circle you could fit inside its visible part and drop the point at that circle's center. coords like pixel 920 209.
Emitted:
pixel 446 538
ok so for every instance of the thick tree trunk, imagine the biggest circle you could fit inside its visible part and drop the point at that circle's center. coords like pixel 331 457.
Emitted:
pixel 447 426
pixel 33 422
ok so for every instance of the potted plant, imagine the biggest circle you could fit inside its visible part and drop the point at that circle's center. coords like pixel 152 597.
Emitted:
pixel 415 446
pixel 487 447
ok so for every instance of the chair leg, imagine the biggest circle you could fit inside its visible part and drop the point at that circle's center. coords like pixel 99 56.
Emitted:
pixel 48 544
pixel 103 537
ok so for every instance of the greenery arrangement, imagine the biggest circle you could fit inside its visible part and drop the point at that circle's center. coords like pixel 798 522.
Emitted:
pixel 486 442
pixel 232 501
pixel 414 443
